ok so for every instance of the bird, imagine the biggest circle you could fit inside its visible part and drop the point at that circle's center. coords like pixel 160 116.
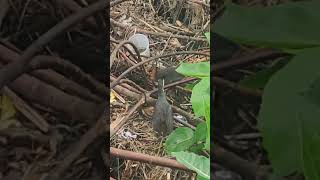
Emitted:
pixel 162 118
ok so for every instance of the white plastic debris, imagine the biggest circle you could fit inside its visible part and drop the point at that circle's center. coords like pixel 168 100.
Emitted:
pixel 128 135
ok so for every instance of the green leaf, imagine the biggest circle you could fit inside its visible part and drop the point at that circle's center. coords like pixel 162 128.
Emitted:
pixel 272 176
pixel 207 117
pixel 260 79
pixel 199 164
pixel 312 93
pixel 201 178
pixel 207 34
pixel 179 140
pixel 285 104
pixel 311 149
pixel 285 26
pixel 199 134
pixel 200 97
pixel 190 85
pixel 207 145
pixel 201 69
pixel 196 148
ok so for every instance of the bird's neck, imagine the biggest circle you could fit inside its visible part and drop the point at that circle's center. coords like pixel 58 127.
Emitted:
pixel 161 93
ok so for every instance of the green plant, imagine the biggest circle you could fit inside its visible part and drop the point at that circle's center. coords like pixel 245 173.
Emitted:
pixel 183 142
pixel 290 109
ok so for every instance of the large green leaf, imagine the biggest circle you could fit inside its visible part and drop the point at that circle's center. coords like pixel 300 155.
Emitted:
pixel 311 158
pixel 285 26
pixel 199 164
pixel 199 134
pixel 200 97
pixel 207 117
pixel 196 148
pixel 312 93
pixel 201 178
pixel 179 140
pixel 200 69
pixel 286 103
pixel 207 144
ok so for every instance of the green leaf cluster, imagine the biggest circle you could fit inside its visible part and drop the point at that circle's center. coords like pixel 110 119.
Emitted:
pixel 183 142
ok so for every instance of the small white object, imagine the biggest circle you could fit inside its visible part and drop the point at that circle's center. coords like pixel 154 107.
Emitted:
pixel 141 42
pixel 180 117
pixel 128 135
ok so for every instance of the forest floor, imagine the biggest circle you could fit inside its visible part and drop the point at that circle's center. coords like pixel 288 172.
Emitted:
pixel 135 133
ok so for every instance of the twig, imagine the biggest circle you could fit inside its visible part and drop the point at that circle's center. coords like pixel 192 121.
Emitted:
pixel 26 110
pixel 241 89
pixel 151 59
pixel 245 168
pixel 157 33
pixel 147 24
pixel 199 2
pixel 184 123
pixel 74 6
pixel 131 88
pixel 262 55
pixel 114 52
pixel 16 68
pixel 127 58
pixel 217 12
pixel 16 133
pixel 22 14
pixel 123 90
pixel 189 116
pixel 113 55
pixel 133 83
pixel 175 84
pixel 4 7
pixel 161 161
pixel 116 125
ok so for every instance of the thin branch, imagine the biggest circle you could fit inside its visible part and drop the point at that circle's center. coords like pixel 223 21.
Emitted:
pixel 113 55
pixel 116 125
pixel 259 56
pixel 114 52
pixel 245 168
pixel 161 161
pixel 241 89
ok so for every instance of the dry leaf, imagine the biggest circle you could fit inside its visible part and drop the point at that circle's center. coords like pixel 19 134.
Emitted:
pixel 7 113
pixel 174 42
pixel 179 23
pixel 112 97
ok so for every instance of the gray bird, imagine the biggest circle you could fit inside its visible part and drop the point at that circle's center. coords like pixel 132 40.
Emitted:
pixel 162 119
